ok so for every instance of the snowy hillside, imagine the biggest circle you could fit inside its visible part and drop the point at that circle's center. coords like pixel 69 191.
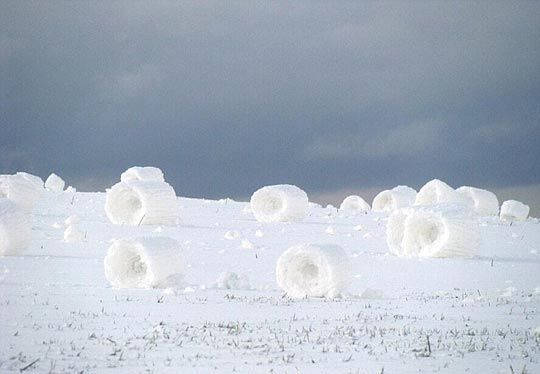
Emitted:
pixel 58 312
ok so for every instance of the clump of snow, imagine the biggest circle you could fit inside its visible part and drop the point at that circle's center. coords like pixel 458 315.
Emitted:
pixel 142 173
pixel 230 280
pixel 309 270
pixel 431 232
pixel 34 179
pixel 371 293
pixel 15 229
pixel 438 192
pixel 21 189
pixel 142 203
pixel 279 203
pixel 397 197
pixel 144 263
pixel 331 230
pixel 73 235
pixel 54 183
pixel 72 220
pixel 246 244
pixel 354 204
pixel 232 234
pixel 512 210
pixel 259 233
pixel 485 202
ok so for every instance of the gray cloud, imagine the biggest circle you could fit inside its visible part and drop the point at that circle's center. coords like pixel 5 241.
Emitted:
pixel 229 97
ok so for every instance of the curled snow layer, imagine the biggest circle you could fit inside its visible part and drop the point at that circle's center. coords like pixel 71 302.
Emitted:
pixel 54 183
pixel 431 232
pixel 354 204
pixel 438 192
pixel 279 203
pixel 142 203
pixel 21 189
pixel 144 263
pixel 512 210
pixel 142 173
pixel 308 270
pixel 15 229
pixel 396 198
pixel 485 202
pixel 230 280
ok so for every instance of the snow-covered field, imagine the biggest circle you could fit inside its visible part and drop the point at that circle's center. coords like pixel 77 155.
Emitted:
pixel 58 313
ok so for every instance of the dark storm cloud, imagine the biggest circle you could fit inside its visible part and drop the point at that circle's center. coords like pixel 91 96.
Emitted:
pixel 226 98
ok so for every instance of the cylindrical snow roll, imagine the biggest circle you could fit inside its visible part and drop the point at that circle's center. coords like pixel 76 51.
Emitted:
pixel 512 210
pixel 354 204
pixel 142 203
pixel 485 202
pixel 396 198
pixel 437 192
pixel 21 190
pixel 144 263
pixel 431 232
pixel 142 173
pixel 279 203
pixel 309 270
pixel 15 229
pixel 54 183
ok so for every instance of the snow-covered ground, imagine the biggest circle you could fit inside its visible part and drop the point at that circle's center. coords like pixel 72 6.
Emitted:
pixel 58 313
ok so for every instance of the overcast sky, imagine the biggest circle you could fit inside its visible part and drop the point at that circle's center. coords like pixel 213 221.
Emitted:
pixel 228 96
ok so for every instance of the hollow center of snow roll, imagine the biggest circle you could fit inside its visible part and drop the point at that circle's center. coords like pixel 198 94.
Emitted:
pixel 134 269
pixel 306 273
pixel 423 232
pixel 128 206
pixel 272 204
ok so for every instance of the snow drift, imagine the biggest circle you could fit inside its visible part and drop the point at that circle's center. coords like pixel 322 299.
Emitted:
pixel 142 203
pixel 397 197
pixel 22 188
pixel 144 263
pixel 354 204
pixel 279 203
pixel 308 270
pixel 142 173
pixel 15 229
pixel 54 183
pixel 438 192
pixel 442 231
pixel 512 210
pixel 485 202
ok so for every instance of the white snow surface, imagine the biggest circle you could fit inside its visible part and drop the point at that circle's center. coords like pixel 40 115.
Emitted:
pixel 59 313
pixel 54 183
pixel 279 203
pixel 354 204
pixel 514 210
pixel 142 203
pixel 396 198
pixel 142 173
pixel 15 229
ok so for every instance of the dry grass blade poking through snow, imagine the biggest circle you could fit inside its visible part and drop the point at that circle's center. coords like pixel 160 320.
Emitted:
pixel 142 203
pixel 354 204
pixel 512 210
pixel 485 202
pixel 279 203
pixel 15 229
pixel 142 173
pixel 308 270
pixel 397 197
pixel 431 232
pixel 144 263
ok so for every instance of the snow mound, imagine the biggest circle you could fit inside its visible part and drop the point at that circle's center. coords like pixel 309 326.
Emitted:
pixel 397 197
pixel 54 183
pixel 354 204
pixel 142 203
pixel 438 192
pixel 431 232
pixel 15 229
pixel 232 281
pixel 512 210
pixel 34 179
pixel 144 263
pixel 23 190
pixel 308 270
pixel 142 173
pixel 485 202
pixel 279 203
